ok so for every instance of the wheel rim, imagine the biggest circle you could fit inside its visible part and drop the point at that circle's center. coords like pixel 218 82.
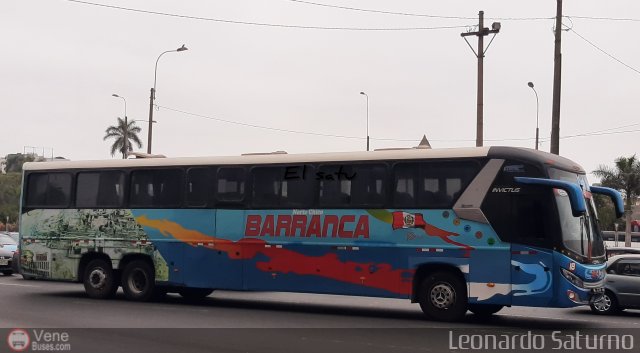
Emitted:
pixel 442 296
pixel 98 278
pixel 604 304
pixel 137 281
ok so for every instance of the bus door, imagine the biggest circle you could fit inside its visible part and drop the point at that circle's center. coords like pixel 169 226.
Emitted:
pixel 523 216
pixel 216 262
pixel 531 275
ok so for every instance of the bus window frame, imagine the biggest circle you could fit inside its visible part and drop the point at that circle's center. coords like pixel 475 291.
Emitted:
pixel 210 173
pixel 386 184
pixel 71 196
pixel 182 183
pixel 242 203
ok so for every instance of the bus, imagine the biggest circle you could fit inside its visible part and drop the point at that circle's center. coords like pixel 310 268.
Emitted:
pixel 455 230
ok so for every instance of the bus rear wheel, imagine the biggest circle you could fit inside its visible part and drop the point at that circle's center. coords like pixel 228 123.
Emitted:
pixel 195 293
pixel 443 296
pixel 98 279
pixel 138 281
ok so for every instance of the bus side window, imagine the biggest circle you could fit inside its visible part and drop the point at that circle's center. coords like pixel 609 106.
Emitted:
pixel 298 186
pixel 368 187
pixel 230 186
pixel 335 185
pixel 405 176
pixel 156 188
pixel 49 190
pixel 198 181
pixel 442 182
pixel 37 189
pixel 520 214
pixel 267 185
pixel 100 189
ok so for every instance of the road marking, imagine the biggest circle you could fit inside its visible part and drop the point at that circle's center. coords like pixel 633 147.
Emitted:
pixel 19 285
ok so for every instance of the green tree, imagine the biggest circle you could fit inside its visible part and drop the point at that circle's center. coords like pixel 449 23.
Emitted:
pixel 118 132
pixel 16 160
pixel 9 196
pixel 606 212
pixel 625 177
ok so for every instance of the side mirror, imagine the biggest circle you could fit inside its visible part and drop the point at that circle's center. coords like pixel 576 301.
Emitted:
pixel 576 197
pixel 614 195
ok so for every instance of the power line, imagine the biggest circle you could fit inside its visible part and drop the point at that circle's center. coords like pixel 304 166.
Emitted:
pixel 417 14
pixel 316 133
pixel 604 52
pixel 605 18
pixel 278 25
pixel 591 133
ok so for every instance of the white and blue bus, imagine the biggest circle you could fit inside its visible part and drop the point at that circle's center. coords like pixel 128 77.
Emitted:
pixel 452 229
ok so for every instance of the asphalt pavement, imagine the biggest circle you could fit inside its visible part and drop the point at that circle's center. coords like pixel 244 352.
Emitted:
pixel 264 321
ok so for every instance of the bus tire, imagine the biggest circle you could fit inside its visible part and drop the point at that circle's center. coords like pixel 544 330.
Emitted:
pixel 443 296
pixel 138 281
pixel 7 272
pixel 195 294
pixel 484 310
pixel 99 281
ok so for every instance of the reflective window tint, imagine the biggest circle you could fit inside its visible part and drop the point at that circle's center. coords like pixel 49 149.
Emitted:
pixel 526 216
pixel 368 185
pixel 299 186
pixel 358 185
pixel 49 189
pixel 405 177
pixel 100 189
pixel 431 184
pixel 156 188
pixel 335 185
pixel 230 185
pixel 283 187
pixel 267 184
pixel 198 181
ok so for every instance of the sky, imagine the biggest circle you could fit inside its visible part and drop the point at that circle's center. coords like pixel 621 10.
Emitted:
pixel 62 60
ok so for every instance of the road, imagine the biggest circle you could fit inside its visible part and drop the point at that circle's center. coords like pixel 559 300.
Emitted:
pixel 263 322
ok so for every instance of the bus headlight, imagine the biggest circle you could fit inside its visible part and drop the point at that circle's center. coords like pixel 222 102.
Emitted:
pixel 575 280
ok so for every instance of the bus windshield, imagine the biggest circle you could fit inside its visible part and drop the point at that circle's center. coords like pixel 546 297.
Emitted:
pixel 580 235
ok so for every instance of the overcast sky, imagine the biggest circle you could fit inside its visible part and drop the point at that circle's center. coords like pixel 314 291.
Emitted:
pixel 62 60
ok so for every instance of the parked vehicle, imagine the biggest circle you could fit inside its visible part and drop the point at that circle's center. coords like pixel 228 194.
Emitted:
pixel 7 247
pixel 620 250
pixel 622 285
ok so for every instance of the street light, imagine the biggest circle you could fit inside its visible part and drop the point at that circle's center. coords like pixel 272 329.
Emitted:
pixel 153 95
pixel 126 126
pixel 367 118
pixel 530 84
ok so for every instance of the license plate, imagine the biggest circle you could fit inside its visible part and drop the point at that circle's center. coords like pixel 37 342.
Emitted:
pixel 4 262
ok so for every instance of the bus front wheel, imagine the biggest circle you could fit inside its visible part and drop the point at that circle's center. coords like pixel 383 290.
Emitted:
pixel 98 279
pixel 138 281
pixel 443 296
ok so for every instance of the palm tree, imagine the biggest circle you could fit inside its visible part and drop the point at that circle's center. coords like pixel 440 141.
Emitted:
pixel 118 132
pixel 625 177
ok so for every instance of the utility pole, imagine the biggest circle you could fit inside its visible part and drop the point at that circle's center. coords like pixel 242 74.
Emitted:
pixel 557 76
pixel 481 33
pixel 150 132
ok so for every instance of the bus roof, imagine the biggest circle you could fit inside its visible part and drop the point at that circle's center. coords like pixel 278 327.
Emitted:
pixel 282 158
